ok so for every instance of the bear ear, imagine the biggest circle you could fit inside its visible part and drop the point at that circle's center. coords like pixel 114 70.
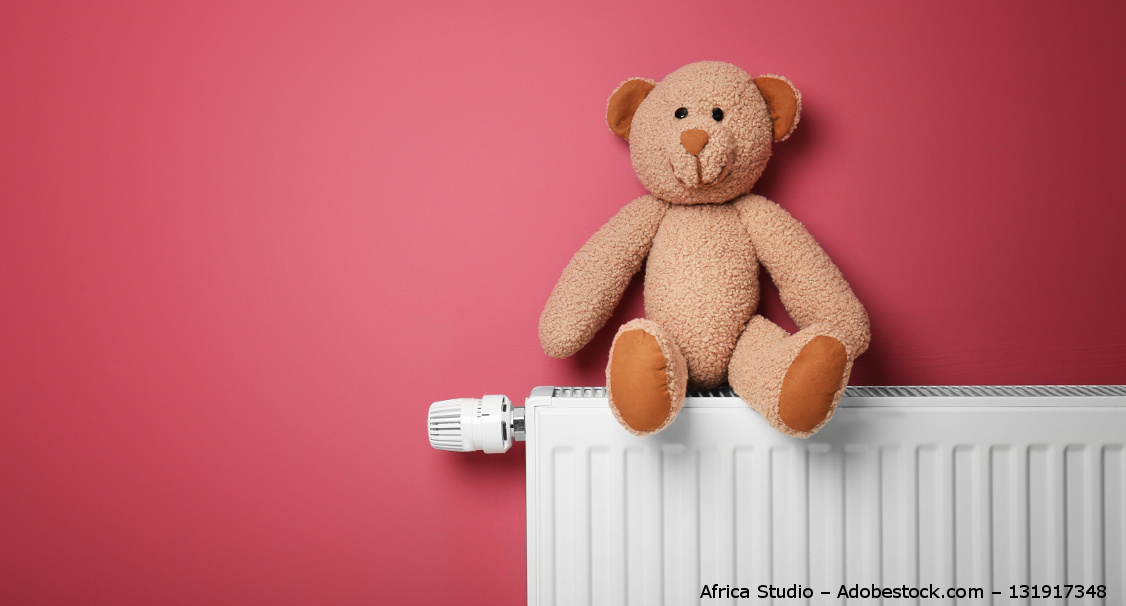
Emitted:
pixel 784 102
pixel 623 103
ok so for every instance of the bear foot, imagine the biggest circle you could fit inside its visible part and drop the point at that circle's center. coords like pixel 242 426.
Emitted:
pixel 811 383
pixel 638 385
pixel 646 377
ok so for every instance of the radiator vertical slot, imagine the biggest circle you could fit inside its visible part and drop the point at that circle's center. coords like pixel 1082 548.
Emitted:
pixel 564 512
pixel 897 528
pixel 754 485
pixel 717 511
pixel 1114 521
pixel 607 527
pixel 972 517
pixel 791 510
pixel 680 519
pixel 643 526
pixel 936 532
pixel 861 518
pixel 826 526
pixel 1084 516
pixel 1047 528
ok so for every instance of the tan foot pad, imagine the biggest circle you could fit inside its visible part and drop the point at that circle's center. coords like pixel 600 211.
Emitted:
pixel 810 384
pixel 638 384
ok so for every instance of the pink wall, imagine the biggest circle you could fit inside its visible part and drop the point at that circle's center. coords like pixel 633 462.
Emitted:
pixel 242 248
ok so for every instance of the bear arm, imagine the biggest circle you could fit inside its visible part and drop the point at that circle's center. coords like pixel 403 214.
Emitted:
pixel 811 287
pixel 593 282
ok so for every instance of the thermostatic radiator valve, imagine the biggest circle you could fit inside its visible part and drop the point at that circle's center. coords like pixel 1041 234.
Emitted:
pixel 490 424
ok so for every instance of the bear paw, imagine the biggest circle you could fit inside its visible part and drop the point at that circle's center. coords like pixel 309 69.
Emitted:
pixel 638 382
pixel 811 384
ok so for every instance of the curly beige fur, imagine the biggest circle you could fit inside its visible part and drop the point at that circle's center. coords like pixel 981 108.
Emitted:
pixel 703 236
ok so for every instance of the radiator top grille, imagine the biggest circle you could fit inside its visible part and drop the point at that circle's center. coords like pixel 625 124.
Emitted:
pixel 917 391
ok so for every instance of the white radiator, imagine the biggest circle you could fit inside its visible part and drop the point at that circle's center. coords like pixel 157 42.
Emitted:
pixel 997 489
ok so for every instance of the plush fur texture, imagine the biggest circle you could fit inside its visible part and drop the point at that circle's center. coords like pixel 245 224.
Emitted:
pixel 699 140
pixel 738 146
pixel 594 280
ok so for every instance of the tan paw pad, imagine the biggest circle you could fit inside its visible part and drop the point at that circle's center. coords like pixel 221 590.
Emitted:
pixel 638 383
pixel 811 383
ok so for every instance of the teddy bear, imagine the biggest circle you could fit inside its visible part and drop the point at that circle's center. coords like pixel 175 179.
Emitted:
pixel 699 140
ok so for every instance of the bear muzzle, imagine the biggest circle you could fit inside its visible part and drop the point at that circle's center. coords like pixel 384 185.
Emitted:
pixel 702 166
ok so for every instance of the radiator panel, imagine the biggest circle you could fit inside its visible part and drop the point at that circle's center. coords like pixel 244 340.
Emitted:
pixel 978 491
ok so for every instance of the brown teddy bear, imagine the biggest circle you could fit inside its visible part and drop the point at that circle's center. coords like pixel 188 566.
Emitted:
pixel 699 140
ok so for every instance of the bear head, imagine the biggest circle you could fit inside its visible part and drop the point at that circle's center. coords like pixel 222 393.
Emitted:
pixel 703 135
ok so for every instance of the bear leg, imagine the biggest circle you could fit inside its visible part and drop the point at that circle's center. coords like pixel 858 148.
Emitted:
pixel 794 381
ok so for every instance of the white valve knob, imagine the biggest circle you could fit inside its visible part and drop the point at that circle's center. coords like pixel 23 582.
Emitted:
pixel 468 424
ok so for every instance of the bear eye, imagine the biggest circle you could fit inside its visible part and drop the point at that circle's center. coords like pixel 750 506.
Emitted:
pixel 717 114
pixel 681 113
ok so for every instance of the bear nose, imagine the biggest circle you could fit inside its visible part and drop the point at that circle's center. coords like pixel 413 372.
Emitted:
pixel 694 140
